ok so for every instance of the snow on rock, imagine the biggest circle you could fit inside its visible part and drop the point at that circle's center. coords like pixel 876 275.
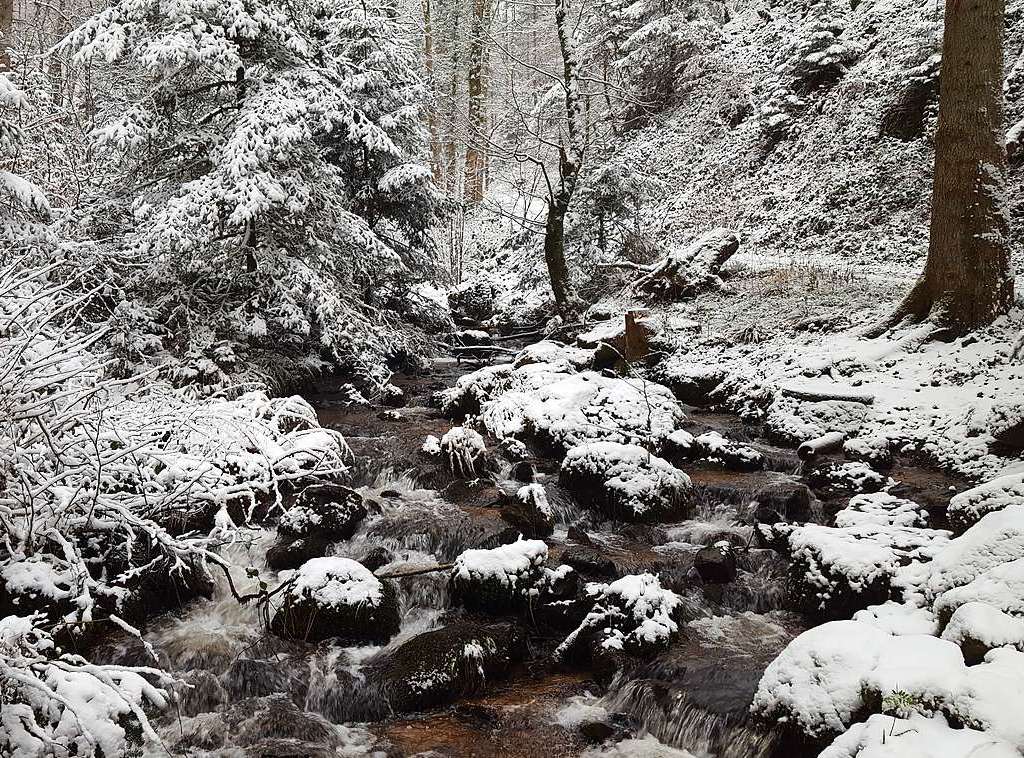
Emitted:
pixel 500 580
pixel 624 481
pixel 979 627
pixel 918 736
pixel 831 675
pixel 431 445
pixel 968 507
pixel 837 478
pixel 1001 586
pixel 836 571
pixel 549 352
pixel 790 420
pixel 634 615
pixel 899 618
pixel 336 597
pixel 873 449
pixel 559 406
pixel 713 448
pixel 529 511
pixel 816 682
pixel 996 539
pixel 881 508
pixel 331 511
pixel 464 453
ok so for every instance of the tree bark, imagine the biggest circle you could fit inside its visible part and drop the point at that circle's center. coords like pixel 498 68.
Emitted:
pixel 476 84
pixel 967 282
pixel 570 159
pixel 6 28
pixel 451 143
pixel 432 119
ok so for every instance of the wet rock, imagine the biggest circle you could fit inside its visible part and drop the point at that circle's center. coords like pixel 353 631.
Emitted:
pixel 478 493
pixel 376 558
pixel 529 511
pixel 588 561
pixel 201 692
pixel 716 564
pixel 625 481
pixel 792 499
pixel 253 677
pixel 272 723
pixel 443 665
pixel 390 493
pixel 205 731
pixel 330 510
pixel 337 597
pixel 291 555
pixel 597 731
pixel 523 471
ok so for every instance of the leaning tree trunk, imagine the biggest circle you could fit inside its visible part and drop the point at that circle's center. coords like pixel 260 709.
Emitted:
pixel 570 159
pixel 967 281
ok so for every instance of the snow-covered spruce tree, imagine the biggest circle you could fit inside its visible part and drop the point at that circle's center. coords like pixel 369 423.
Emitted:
pixel 21 201
pixel 271 154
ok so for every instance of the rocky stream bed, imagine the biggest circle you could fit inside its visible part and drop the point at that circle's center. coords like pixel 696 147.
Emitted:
pixel 446 667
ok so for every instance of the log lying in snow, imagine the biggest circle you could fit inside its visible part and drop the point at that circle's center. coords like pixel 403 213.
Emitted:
pixel 826 443
pixel 683 272
pixel 818 395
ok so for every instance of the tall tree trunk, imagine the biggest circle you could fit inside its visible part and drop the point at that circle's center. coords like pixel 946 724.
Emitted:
pixel 432 119
pixel 570 158
pixel 451 143
pixel 476 84
pixel 967 281
pixel 6 29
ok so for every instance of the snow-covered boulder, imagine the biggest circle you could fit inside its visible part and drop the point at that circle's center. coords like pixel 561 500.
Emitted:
pixel 979 627
pixel 833 479
pixel 557 408
pixel 835 674
pixel 499 580
pixel 442 665
pixel 330 511
pixel 625 481
pixel 337 597
pixel 873 449
pixel 529 511
pixel 791 421
pixel 634 615
pixel 836 571
pixel 967 508
pixel 550 352
pixel 815 684
pixel 882 508
pixel 996 539
pixel 918 736
pixel 711 448
pixel 392 396
pixel 1001 586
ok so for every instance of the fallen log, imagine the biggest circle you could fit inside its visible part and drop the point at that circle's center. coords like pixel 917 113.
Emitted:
pixel 826 443
pixel 815 395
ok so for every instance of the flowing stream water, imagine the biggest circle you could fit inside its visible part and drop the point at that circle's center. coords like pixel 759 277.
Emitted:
pixel 249 693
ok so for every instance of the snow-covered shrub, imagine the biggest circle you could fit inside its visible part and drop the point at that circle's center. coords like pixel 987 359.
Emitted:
pixel 625 481
pixel 20 199
pixel 60 703
pixel 634 614
pixel 306 197
pixel 336 597
pixel 463 452
pixel 99 479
